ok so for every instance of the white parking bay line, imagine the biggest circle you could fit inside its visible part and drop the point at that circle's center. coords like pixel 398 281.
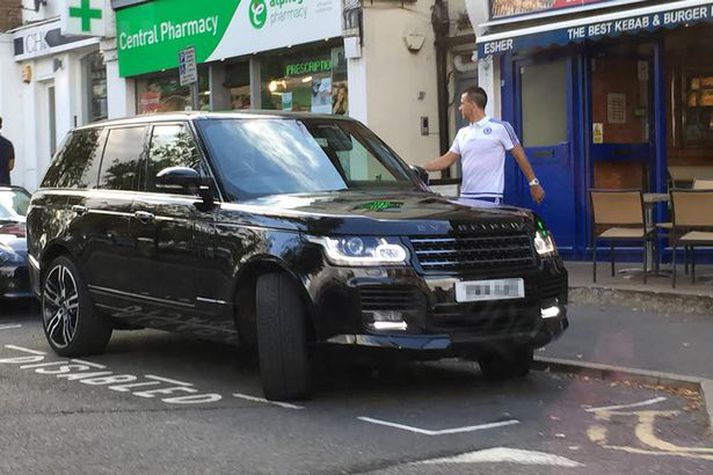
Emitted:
pixel 455 430
pixel 10 326
pixel 626 406
pixel 284 405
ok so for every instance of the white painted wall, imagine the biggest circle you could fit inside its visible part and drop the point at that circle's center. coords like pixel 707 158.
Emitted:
pixel 488 68
pixel 395 76
pixel 11 103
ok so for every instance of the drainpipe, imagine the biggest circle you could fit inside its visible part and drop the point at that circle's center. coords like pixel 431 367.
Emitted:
pixel 441 27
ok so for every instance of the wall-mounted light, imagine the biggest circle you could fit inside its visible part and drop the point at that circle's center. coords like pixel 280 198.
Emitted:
pixel 27 74
pixel 56 64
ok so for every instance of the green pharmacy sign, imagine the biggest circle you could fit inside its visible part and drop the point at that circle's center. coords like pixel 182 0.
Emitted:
pixel 85 13
pixel 150 35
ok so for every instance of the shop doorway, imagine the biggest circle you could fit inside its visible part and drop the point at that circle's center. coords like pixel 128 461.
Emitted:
pixel 544 117
pixel 621 148
pixel 47 129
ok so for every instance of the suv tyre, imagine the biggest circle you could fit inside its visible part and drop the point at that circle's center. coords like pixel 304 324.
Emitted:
pixel 281 338
pixel 71 325
pixel 514 363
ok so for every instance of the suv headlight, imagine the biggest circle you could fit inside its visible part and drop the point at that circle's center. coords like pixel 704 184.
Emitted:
pixel 544 244
pixel 362 251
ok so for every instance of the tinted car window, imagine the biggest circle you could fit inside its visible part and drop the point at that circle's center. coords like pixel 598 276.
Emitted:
pixel 274 156
pixel 172 145
pixel 123 152
pixel 77 163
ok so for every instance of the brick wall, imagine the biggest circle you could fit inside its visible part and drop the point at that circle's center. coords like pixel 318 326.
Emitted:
pixel 10 14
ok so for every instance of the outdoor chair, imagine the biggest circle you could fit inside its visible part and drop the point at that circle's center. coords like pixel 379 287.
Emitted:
pixel 618 215
pixel 692 224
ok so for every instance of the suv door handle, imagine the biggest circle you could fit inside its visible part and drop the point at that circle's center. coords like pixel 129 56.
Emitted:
pixel 144 216
pixel 79 209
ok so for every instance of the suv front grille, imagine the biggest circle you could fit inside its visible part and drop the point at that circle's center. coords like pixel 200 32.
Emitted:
pixel 472 253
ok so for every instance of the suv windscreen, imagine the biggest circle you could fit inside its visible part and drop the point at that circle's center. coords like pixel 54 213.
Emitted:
pixel 262 157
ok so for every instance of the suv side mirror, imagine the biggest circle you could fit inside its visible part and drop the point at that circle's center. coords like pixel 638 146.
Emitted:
pixel 187 180
pixel 421 173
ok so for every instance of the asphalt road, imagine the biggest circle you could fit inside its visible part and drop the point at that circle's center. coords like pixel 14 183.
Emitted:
pixel 157 402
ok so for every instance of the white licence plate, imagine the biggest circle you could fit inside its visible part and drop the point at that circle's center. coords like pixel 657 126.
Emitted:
pixel 499 289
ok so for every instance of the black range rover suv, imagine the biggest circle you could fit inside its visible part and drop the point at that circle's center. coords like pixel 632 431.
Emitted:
pixel 285 233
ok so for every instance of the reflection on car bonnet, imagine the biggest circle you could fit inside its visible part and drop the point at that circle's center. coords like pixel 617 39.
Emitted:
pixel 479 203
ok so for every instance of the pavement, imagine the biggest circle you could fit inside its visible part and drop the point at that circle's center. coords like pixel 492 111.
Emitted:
pixel 655 330
pixel 627 288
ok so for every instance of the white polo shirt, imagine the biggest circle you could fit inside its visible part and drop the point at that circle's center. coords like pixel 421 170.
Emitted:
pixel 482 146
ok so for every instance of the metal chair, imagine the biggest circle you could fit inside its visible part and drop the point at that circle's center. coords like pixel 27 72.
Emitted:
pixel 692 213
pixel 621 214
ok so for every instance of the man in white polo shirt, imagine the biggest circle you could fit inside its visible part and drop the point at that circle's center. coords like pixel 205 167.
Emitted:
pixel 482 146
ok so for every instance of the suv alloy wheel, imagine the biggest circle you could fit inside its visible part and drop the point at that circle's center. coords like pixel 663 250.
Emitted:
pixel 71 325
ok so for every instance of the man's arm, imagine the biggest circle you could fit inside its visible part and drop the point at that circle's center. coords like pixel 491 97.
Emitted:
pixel 11 163
pixel 442 162
pixel 537 192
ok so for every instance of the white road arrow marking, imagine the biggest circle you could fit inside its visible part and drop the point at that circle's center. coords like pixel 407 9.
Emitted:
pixel 455 430
pixel 626 406
pixel 506 455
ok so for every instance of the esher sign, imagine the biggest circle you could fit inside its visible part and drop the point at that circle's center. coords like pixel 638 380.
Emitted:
pixel 597 30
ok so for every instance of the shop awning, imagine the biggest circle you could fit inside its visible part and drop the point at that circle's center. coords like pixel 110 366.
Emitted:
pixel 631 21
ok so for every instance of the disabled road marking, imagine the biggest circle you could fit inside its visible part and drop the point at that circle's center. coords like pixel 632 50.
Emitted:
pixel 627 406
pixel 284 405
pixel 506 455
pixel 26 350
pixel 645 431
pixel 85 372
pixel 10 326
pixel 455 430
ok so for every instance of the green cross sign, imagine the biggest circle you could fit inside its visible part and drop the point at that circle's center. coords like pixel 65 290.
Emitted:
pixel 86 13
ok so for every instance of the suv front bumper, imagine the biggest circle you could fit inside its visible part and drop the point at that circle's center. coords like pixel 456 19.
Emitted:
pixel 349 307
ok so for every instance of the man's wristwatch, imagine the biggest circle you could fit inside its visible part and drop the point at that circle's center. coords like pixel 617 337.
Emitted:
pixel 535 182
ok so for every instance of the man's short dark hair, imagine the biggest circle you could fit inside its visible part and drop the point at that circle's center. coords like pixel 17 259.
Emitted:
pixel 477 95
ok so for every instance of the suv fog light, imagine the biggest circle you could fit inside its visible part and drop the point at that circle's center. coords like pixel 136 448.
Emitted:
pixel 550 312
pixel 401 325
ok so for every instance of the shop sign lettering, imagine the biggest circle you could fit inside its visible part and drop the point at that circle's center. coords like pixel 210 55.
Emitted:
pixel 150 35
pixel 634 24
pixel 598 30
pixel 169 31
pixel 308 67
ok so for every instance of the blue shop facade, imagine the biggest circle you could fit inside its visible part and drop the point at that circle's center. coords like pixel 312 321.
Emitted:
pixel 604 94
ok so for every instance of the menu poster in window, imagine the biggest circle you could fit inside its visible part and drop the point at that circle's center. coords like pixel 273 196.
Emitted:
pixel 598 133
pixel 286 101
pixel 616 108
pixel 322 96
pixel 149 102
